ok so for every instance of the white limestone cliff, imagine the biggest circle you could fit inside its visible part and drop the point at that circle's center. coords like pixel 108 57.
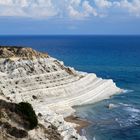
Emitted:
pixel 52 88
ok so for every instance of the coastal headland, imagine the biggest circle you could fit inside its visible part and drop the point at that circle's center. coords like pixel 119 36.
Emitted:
pixel 50 87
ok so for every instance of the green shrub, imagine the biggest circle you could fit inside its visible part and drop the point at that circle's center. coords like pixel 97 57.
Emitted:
pixel 29 113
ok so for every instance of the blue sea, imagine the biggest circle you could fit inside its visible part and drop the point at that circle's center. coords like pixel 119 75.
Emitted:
pixel 115 57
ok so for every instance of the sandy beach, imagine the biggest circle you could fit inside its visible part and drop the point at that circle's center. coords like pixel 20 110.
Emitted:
pixel 80 122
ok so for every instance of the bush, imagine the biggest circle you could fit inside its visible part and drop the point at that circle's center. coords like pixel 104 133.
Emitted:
pixel 29 113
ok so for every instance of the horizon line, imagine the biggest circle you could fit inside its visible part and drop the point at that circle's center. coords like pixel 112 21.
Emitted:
pixel 70 35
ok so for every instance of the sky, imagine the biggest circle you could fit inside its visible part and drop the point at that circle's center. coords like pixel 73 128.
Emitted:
pixel 70 17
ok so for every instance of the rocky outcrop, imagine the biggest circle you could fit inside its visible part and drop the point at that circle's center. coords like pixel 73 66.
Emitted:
pixel 14 125
pixel 26 53
pixel 50 87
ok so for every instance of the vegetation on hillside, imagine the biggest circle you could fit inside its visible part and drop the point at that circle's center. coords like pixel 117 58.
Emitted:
pixel 29 113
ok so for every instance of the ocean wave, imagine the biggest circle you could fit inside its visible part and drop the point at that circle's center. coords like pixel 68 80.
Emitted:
pixel 127 90
pixel 128 123
pixel 83 133
pixel 129 108
pixel 131 115
pixel 132 109
pixel 123 104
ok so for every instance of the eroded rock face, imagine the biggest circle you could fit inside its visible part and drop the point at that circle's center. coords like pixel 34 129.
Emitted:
pixel 50 87
pixel 14 125
pixel 12 122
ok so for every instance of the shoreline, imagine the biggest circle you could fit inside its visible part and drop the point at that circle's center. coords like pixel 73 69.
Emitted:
pixel 53 89
pixel 81 123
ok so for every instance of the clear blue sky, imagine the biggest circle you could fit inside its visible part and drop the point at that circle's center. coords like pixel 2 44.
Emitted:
pixel 18 17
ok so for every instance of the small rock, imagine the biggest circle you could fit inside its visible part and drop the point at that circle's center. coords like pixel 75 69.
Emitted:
pixel 39 115
pixel 34 97
pixel 110 106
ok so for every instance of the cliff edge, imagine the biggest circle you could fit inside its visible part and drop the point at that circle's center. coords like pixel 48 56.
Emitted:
pixel 20 52
pixel 51 87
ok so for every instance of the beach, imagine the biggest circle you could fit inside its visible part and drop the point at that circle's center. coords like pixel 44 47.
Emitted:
pixel 81 123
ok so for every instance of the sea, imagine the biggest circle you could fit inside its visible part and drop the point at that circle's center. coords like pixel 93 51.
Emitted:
pixel 110 57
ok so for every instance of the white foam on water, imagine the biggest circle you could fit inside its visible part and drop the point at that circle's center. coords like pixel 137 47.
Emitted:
pixel 134 116
pixel 131 109
pixel 83 132
pixel 127 91
pixel 124 104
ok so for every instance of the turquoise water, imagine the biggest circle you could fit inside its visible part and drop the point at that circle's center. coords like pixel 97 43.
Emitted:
pixel 115 57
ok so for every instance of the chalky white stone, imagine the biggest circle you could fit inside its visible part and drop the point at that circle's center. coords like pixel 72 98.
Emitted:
pixel 52 89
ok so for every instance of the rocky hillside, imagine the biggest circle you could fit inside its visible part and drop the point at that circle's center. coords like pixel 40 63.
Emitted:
pixel 52 88
pixel 15 125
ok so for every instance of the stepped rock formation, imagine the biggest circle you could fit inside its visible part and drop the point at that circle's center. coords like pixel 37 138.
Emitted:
pixel 51 87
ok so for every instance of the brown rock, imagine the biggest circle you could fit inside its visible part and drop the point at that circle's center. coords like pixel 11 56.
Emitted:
pixel 21 52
